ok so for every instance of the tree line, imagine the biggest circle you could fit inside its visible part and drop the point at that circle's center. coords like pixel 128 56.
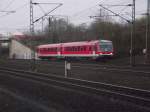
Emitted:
pixel 59 31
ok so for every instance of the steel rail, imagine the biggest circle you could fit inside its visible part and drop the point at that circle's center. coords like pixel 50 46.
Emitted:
pixel 100 67
pixel 94 67
pixel 83 64
pixel 138 96
pixel 113 69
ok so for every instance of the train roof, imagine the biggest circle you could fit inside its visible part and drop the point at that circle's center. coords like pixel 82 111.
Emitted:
pixel 105 41
pixel 49 45
pixel 92 42
pixel 80 43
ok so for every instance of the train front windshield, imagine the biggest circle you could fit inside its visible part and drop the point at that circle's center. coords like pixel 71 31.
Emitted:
pixel 106 46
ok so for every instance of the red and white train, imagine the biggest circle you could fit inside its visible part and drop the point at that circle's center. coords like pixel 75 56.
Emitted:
pixel 92 49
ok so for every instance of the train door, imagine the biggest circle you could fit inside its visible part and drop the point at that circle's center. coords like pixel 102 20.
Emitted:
pixel 59 51
pixel 94 50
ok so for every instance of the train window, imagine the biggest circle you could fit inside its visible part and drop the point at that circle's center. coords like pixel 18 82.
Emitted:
pixel 55 49
pixel 84 48
pixel 45 49
pixel 49 49
pixel 74 49
pixel 78 48
pixel 70 48
pixel 95 48
pixel 66 48
pixel 90 48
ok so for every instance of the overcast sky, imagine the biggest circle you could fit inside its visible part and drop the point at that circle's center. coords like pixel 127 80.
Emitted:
pixel 78 11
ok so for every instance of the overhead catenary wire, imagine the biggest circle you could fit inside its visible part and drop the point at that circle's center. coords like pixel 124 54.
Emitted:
pixel 7 12
pixel 41 9
pixel 15 10
pixel 58 5
pixel 115 13
pixel 79 12
pixel 88 10
pixel 11 2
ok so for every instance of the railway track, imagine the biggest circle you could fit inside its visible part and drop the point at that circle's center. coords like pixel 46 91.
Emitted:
pixel 97 67
pixel 143 70
pixel 117 75
pixel 137 97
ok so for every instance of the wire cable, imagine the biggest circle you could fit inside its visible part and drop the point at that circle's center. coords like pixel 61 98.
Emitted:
pixel 16 10
pixel 11 2
pixel 41 8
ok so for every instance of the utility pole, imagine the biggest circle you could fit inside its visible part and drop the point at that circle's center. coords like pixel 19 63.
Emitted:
pixel 32 26
pixel 132 49
pixel 50 28
pixel 42 24
pixel 32 33
pixel 31 18
pixel 147 55
pixel 132 43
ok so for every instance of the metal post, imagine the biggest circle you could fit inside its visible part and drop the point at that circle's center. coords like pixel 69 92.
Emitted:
pixel 42 25
pixel 32 33
pixel 31 18
pixel 66 71
pixel 50 28
pixel 147 55
pixel 67 68
pixel 132 49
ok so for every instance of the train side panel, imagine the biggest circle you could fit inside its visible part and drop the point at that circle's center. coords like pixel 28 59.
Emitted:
pixel 94 49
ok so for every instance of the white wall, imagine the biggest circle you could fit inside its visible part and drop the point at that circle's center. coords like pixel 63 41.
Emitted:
pixel 19 51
